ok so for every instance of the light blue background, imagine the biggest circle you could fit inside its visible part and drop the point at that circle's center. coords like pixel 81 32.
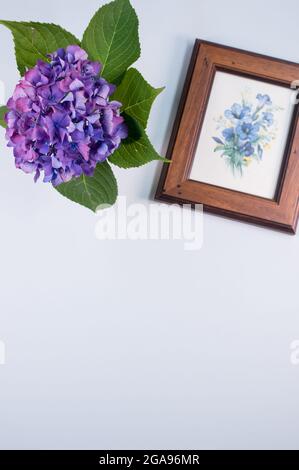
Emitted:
pixel 142 344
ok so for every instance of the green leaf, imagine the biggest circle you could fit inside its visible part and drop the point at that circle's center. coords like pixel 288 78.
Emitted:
pixel 112 38
pixel 34 41
pixel 92 191
pixel 136 150
pixel 3 111
pixel 229 153
pixel 219 147
pixel 136 96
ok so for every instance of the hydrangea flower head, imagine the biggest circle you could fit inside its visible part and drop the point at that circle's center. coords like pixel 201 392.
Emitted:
pixel 61 121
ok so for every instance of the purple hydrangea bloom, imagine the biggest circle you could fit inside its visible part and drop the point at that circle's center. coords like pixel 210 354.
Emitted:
pixel 60 120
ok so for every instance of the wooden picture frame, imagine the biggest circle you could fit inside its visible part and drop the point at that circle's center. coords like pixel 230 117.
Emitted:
pixel 176 186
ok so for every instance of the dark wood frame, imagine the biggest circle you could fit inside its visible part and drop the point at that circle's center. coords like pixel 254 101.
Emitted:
pixel 175 185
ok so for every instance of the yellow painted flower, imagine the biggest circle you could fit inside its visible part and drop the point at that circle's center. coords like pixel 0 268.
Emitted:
pixel 247 160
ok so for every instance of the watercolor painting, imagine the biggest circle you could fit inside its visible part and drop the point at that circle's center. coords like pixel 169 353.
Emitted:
pixel 247 130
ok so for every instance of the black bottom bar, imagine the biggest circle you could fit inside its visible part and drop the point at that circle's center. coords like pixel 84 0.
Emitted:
pixel 133 459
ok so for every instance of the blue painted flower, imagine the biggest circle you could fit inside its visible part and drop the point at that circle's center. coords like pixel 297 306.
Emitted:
pixel 247 131
pixel 229 134
pixel 268 118
pixel 263 99
pixel 248 134
pixel 237 112
pixel 247 149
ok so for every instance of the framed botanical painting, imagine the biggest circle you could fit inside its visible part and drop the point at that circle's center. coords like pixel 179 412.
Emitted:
pixel 235 142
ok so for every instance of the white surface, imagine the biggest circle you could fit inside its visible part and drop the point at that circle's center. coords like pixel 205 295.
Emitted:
pixel 259 178
pixel 142 344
